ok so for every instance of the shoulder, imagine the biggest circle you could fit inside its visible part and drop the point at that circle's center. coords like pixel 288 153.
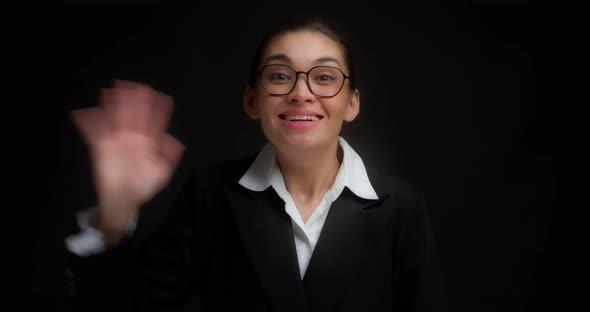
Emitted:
pixel 391 185
pixel 405 198
pixel 221 174
pixel 407 203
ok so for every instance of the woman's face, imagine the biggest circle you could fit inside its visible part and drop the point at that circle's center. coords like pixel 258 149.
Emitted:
pixel 281 115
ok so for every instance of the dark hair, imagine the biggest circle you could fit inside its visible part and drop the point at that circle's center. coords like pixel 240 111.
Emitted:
pixel 296 24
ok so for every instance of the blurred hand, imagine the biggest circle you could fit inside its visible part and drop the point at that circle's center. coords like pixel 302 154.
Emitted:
pixel 132 155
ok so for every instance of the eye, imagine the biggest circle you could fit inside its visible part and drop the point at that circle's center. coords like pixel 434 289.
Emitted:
pixel 324 77
pixel 279 77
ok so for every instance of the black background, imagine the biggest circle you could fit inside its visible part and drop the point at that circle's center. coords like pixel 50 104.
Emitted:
pixel 475 102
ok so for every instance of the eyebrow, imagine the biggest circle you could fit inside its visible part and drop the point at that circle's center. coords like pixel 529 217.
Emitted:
pixel 286 59
pixel 327 59
pixel 278 57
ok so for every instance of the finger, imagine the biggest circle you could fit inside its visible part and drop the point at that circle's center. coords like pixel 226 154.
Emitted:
pixel 127 109
pixel 128 84
pixel 138 108
pixel 91 123
pixel 171 149
pixel 161 111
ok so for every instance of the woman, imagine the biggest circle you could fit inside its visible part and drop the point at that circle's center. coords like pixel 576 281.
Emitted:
pixel 242 235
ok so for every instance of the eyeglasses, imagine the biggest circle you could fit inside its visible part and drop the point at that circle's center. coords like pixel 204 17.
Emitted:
pixel 324 81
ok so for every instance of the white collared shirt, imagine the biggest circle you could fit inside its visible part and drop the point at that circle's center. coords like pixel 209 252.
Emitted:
pixel 264 172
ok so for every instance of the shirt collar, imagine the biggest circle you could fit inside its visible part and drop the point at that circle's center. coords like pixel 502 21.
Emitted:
pixel 264 172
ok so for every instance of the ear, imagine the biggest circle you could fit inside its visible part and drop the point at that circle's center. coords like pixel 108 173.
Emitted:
pixel 249 103
pixel 353 108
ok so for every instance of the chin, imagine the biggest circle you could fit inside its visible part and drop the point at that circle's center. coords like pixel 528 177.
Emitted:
pixel 303 142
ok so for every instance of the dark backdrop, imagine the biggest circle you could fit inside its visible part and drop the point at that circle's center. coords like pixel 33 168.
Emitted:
pixel 465 100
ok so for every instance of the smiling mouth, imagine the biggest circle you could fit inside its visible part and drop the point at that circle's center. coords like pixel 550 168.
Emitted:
pixel 300 117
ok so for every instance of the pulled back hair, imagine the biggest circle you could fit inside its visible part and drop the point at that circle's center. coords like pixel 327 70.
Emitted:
pixel 314 24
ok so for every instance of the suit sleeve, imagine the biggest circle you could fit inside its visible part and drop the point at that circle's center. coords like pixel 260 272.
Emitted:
pixel 154 270
pixel 419 281
pixel 166 263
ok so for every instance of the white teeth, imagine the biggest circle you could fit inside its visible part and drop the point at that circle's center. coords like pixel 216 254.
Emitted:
pixel 302 117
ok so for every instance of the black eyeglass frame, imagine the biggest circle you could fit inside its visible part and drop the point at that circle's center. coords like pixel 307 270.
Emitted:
pixel 297 73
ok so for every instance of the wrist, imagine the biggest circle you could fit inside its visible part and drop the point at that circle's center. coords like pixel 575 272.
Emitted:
pixel 111 235
pixel 113 220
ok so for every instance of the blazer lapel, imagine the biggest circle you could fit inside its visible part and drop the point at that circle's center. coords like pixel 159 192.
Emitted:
pixel 352 228
pixel 267 234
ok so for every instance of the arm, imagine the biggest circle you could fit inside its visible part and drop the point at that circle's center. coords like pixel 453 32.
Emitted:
pixel 132 159
pixel 149 271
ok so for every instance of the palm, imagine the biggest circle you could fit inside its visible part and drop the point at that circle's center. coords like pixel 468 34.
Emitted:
pixel 129 162
pixel 132 155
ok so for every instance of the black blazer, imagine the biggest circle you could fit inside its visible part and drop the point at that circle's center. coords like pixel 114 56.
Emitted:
pixel 233 248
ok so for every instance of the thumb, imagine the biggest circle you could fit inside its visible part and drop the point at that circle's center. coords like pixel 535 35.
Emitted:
pixel 91 123
pixel 171 149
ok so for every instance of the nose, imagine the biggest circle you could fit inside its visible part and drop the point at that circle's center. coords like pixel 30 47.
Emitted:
pixel 301 92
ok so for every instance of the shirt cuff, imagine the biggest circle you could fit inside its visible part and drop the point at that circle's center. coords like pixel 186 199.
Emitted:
pixel 90 241
pixel 86 243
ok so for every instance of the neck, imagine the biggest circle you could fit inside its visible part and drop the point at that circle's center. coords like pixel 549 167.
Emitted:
pixel 309 174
